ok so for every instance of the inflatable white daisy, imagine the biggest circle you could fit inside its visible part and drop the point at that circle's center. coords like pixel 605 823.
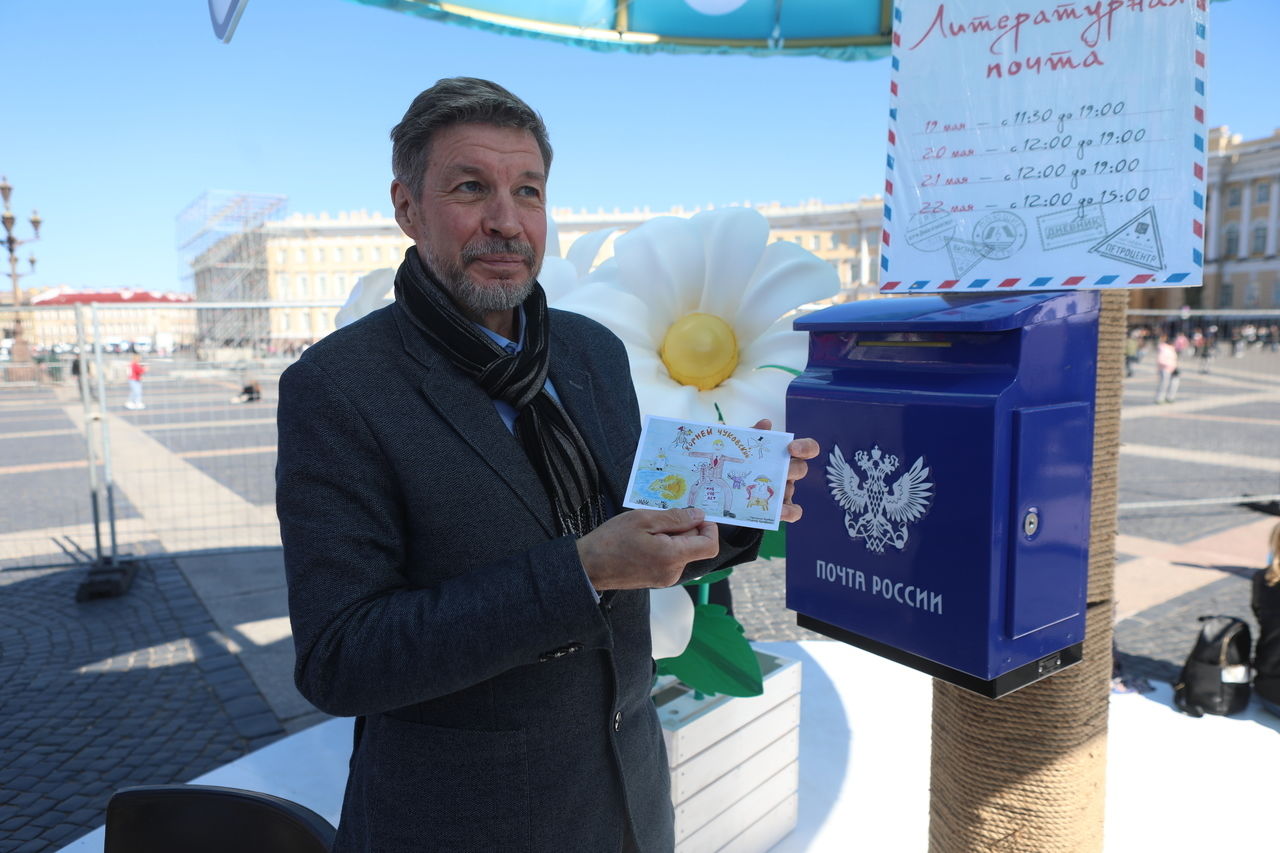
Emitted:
pixel 701 306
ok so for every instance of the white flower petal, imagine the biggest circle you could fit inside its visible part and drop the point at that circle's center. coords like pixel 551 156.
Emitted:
pixel 557 277
pixel 734 240
pixel 368 294
pixel 785 347
pixel 670 621
pixel 662 262
pixel 661 395
pixel 622 313
pixel 703 406
pixel 787 277
pixel 582 253
pixel 762 394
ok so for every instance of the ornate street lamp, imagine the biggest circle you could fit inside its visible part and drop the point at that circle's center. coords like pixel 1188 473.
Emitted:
pixel 21 350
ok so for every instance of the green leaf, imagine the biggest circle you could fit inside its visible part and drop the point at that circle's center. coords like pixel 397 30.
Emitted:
pixel 781 367
pixel 710 577
pixel 718 659
pixel 774 543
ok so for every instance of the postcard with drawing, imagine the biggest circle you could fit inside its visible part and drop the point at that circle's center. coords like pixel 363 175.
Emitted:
pixel 737 475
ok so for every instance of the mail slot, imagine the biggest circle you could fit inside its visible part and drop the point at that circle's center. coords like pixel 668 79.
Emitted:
pixel 946 519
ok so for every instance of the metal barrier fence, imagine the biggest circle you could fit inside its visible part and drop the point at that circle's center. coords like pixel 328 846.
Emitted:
pixel 85 476
pixel 94 464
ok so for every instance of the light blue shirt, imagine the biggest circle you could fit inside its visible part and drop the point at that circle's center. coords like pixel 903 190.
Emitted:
pixel 506 411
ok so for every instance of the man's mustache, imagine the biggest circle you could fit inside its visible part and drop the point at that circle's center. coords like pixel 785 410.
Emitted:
pixel 475 250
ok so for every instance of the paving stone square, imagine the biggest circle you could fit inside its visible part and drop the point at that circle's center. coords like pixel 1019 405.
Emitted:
pixel 108 693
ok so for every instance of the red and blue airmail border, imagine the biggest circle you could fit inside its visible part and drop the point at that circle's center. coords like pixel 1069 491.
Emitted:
pixel 1038 144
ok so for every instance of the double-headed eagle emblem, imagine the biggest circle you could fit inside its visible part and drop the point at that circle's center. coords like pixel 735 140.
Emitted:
pixel 871 509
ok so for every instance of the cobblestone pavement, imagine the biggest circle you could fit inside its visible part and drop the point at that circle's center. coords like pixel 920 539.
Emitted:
pixel 1155 643
pixel 107 693
pixel 760 603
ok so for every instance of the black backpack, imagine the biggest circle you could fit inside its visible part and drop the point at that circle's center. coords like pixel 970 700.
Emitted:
pixel 1215 678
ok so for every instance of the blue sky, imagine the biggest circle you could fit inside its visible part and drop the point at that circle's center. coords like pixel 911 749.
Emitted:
pixel 116 115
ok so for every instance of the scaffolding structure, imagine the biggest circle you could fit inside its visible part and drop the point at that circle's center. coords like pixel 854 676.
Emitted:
pixel 222 244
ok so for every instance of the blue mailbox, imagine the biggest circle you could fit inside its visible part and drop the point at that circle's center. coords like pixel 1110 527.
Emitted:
pixel 946 520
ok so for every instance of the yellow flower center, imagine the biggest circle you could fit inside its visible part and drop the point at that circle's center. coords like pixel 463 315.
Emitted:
pixel 700 350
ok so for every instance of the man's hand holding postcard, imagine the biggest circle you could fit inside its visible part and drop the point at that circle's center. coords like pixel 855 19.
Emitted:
pixel 736 475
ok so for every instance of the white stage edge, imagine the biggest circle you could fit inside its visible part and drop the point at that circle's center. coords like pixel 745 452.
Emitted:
pixel 1173 782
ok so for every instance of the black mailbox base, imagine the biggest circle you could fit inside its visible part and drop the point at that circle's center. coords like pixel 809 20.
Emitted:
pixel 1001 685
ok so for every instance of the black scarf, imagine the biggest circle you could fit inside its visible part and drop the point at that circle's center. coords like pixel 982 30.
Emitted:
pixel 553 444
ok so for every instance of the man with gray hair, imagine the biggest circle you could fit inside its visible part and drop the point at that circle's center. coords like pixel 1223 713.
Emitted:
pixel 461 577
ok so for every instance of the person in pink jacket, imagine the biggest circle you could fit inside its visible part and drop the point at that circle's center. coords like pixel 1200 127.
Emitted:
pixel 136 369
pixel 1167 369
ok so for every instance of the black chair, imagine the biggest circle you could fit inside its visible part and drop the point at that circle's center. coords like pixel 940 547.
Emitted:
pixel 210 819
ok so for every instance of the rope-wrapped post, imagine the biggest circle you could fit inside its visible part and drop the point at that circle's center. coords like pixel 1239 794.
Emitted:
pixel 1027 772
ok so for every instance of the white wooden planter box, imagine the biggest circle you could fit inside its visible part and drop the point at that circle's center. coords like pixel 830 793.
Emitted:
pixel 734 761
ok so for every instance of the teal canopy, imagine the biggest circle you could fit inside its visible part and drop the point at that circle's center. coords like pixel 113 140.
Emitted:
pixel 835 29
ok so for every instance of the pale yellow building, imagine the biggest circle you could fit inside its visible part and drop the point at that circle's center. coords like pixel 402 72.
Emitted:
pixel 301 268
pixel 318 258
pixel 1241 269
pixel 845 235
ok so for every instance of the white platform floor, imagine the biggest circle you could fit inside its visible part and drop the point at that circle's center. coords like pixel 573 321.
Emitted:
pixel 1173 782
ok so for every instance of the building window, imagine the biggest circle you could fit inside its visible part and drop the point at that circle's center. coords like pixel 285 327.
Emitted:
pixel 284 321
pixel 377 253
pixel 282 287
pixel 1233 196
pixel 1226 295
pixel 302 255
pixel 1258 245
pixel 1233 241
pixel 320 254
pixel 1275 294
pixel 337 254
pixel 322 286
pixel 1262 192
pixel 301 291
pixel 304 322
pixel 342 284
pixel 281 257
pixel 357 254
pixel 1251 295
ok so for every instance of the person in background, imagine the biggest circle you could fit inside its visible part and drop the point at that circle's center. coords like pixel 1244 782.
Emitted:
pixel 1266 607
pixel 250 390
pixel 1204 350
pixel 1167 370
pixel 136 370
pixel 1130 352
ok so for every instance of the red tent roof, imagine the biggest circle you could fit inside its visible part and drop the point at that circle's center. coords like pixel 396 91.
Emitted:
pixel 73 297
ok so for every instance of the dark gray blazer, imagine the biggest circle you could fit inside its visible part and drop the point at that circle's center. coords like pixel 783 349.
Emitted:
pixel 500 707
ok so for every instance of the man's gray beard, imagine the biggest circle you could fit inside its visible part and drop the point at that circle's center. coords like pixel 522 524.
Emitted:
pixel 476 300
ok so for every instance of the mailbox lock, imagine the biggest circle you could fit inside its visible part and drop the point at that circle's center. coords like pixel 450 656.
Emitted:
pixel 1031 522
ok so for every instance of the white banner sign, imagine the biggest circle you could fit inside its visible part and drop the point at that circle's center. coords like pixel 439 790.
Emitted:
pixel 1037 144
